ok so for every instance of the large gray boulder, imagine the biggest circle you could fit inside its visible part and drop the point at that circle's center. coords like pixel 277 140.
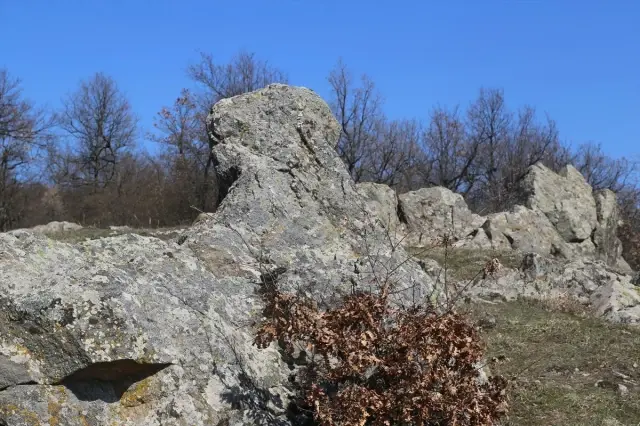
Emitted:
pixel 133 330
pixel 561 217
pixel 431 213
pixel 565 198
pixel 605 235
pixel 524 230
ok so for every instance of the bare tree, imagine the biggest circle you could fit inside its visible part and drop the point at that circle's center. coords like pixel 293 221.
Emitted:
pixel 508 144
pixel 244 73
pixel 489 122
pixel 358 110
pixel 394 151
pixel 187 151
pixel 100 122
pixel 602 171
pixel 24 133
pixel 532 142
pixel 450 152
pixel 182 127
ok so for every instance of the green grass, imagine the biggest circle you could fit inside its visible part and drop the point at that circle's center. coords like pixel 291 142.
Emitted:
pixel 556 359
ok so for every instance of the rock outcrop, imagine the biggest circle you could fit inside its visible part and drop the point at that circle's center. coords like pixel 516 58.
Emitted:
pixel 56 227
pixel 564 232
pixel 560 216
pixel 430 212
pixel 566 199
pixel 134 330
pixel 137 330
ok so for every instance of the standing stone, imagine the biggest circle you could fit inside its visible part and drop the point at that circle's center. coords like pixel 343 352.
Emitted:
pixel 565 198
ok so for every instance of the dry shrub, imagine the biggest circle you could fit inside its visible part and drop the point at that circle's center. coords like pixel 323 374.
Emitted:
pixel 374 365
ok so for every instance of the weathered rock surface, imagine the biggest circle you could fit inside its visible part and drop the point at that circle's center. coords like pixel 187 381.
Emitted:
pixel 431 212
pixel 133 330
pixel 565 198
pixel 608 246
pixel 560 217
pixel 381 203
pixel 525 230
pixel 55 226
pixel 608 292
pixel 565 233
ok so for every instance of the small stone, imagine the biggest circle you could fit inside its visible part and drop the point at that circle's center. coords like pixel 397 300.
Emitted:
pixel 623 390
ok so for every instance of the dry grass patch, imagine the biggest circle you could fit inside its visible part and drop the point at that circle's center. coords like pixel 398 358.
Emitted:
pixel 567 369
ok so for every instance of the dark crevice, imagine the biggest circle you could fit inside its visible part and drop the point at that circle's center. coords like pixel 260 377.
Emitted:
pixel 593 236
pixel 554 251
pixel 226 179
pixel 25 383
pixel 108 381
pixel 402 217
pixel 486 226
pixel 286 170
pixel 576 240
pixel 304 137
pixel 510 239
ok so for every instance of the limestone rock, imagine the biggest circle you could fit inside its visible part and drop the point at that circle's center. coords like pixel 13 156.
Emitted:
pixel 55 226
pixel 134 330
pixel 592 283
pixel 432 212
pixel 382 202
pixel 524 230
pixel 605 238
pixel 565 198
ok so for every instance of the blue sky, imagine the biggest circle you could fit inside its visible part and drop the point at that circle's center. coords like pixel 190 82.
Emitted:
pixel 577 60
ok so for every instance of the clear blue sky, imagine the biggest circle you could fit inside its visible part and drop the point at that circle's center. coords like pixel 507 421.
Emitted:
pixel 577 60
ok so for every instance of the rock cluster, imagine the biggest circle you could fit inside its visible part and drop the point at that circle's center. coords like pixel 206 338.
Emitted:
pixel 135 330
pixel 565 233
pixel 560 216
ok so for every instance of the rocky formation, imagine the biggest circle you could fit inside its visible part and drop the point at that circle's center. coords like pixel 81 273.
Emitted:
pixel 561 216
pixel 136 330
pixel 133 330
pixel 54 227
pixel 430 212
pixel 564 232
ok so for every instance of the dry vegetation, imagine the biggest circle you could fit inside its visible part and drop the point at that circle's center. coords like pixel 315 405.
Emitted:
pixel 564 365
pixel 374 365
pixel 566 368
